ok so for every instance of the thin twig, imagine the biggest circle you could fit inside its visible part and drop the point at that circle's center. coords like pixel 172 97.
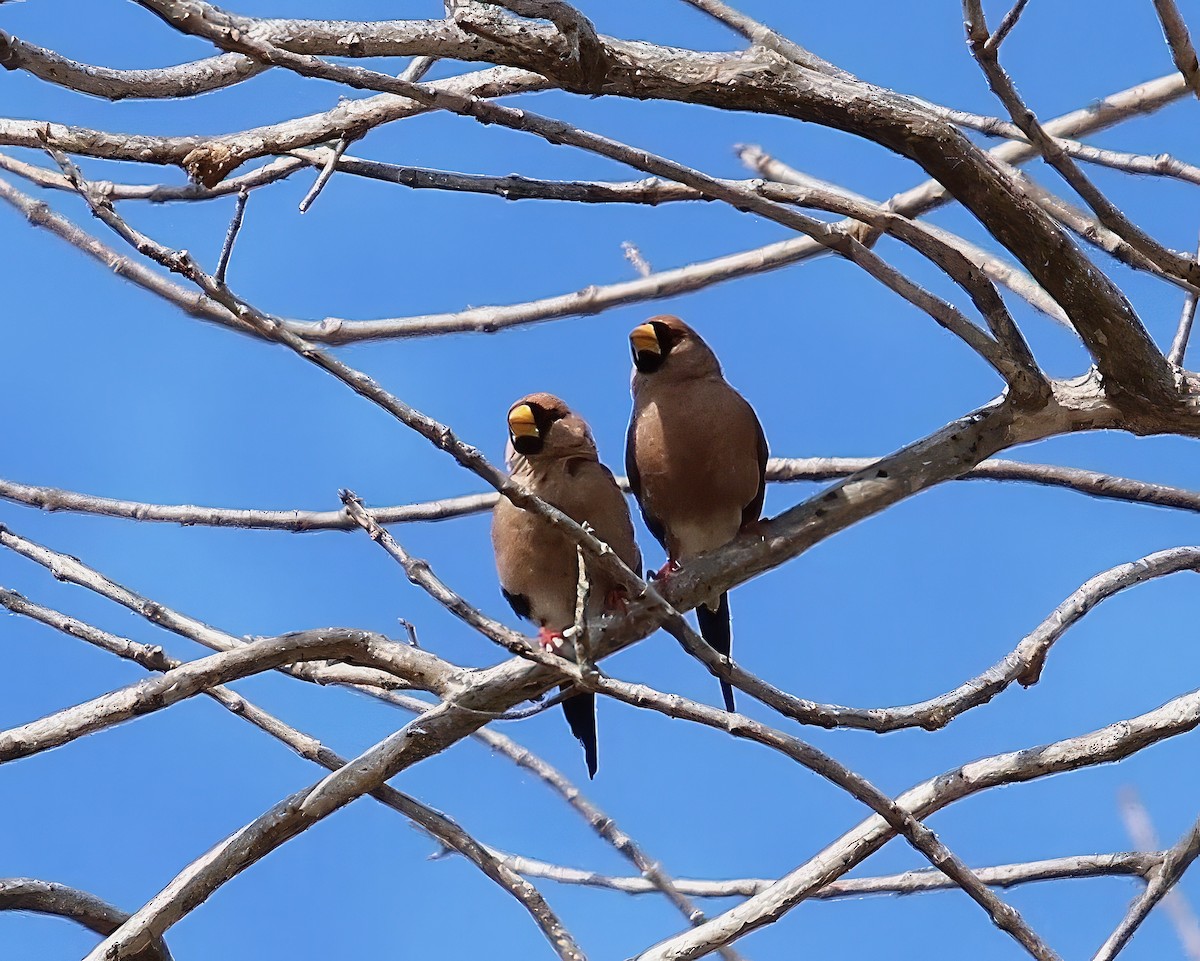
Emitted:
pixel 579 627
pixel 419 572
pixel 413 72
pixel 1006 25
pixel 410 629
pixel 1154 165
pixel 764 36
pixel 1180 42
pixel 1175 863
pixel 1129 864
pixel 1183 919
pixel 326 172
pixel 1184 331
pixel 235 225
pixel 634 256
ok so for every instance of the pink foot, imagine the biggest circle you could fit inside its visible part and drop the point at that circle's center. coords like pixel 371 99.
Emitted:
pixel 669 568
pixel 616 600
pixel 551 641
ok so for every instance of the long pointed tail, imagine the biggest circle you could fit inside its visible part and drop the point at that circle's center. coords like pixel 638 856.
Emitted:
pixel 715 628
pixel 581 716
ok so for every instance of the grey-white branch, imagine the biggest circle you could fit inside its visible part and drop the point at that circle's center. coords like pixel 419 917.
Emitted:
pixel 513 47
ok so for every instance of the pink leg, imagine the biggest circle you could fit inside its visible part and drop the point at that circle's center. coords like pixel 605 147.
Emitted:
pixel 669 568
pixel 550 640
pixel 615 600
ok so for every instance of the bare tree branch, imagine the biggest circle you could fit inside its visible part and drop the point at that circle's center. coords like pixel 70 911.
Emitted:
pixel 1023 664
pixel 1159 164
pixel 47 897
pixel 73 571
pixel 551 45
pixel 197 305
pixel 1006 25
pixel 881 218
pixel 1180 42
pixel 185 80
pixel 896 816
pixel 439 826
pixel 1002 915
pixel 1091 230
pixel 360 647
pixel 781 470
pixel 1174 863
pixel 230 237
pixel 1141 830
pixel 760 33
pixel 985 53
pixel 1139 99
pixel 1102 746
pixel 1139 864
pixel 1134 368
pixel 419 572
pixel 208 159
pixel 268 173
pixel 1184 331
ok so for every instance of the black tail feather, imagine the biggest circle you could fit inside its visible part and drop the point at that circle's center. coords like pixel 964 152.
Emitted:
pixel 715 628
pixel 580 710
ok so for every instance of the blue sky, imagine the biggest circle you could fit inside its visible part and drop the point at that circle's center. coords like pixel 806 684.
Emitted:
pixel 111 391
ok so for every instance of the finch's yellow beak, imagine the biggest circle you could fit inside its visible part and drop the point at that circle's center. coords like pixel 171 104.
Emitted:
pixel 645 340
pixel 521 422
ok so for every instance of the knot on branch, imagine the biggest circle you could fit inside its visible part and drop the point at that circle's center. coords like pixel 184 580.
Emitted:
pixel 209 163
pixel 585 64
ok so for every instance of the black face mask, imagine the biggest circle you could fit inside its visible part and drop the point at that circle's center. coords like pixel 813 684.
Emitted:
pixel 530 444
pixel 526 445
pixel 647 361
